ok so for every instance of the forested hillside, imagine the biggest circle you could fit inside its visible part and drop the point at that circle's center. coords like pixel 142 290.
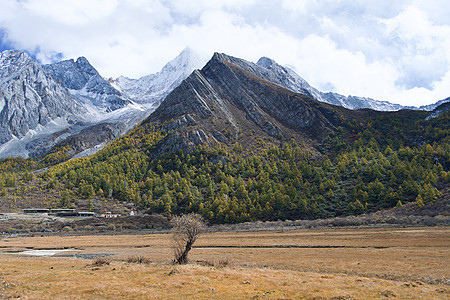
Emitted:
pixel 388 160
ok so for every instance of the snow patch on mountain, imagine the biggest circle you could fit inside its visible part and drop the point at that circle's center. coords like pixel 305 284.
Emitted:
pixel 2 102
pixel 90 151
pixel 37 140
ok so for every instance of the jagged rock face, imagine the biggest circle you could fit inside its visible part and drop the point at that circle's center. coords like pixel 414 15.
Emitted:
pixel 92 136
pixel 30 97
pixel 86 84
pixel 152 89
pixel 230 96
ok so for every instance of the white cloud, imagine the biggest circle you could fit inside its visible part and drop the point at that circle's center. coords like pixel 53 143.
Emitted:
pixel 440 88
pixel 295 6
pixel 420 96
pixel 71 12
pixel 425 54
pixel 325 65
pixel 397 51
pixel 197 7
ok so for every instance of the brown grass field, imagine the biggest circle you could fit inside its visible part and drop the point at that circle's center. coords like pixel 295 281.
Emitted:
pixel 400 263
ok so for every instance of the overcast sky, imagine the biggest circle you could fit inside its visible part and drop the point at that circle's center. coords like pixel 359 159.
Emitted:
pixel 393 50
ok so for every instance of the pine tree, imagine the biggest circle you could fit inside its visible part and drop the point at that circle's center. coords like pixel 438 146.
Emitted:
pixel 419 202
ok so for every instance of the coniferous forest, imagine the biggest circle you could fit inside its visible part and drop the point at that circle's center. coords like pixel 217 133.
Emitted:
pixel 388 160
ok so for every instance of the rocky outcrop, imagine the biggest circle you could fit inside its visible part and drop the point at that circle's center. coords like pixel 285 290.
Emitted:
pixel 92 136
pixel 261 99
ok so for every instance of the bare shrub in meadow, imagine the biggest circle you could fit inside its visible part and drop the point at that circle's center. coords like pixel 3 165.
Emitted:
pixel 185 231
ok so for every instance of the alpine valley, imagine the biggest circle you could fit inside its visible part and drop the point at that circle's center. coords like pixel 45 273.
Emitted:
pixel 232 140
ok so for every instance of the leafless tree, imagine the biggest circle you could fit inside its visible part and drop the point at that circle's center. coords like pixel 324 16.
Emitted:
pixel 185 230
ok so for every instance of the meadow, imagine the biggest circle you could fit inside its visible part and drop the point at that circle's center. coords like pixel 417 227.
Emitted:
pixel 353 263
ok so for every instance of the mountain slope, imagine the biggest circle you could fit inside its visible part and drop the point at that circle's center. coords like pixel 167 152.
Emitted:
pixel 114 113
pixel 433 106
pixel 86 84
pixel 229 97
pixel 151 89
pixel 287 78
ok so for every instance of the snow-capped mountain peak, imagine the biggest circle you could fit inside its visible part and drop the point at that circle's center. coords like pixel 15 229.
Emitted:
pixel 289 78
pixel 186 61
pixel 151 89
pixel 12 61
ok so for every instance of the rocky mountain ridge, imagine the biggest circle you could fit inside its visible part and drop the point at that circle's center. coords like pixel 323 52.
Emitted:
pixel 41 106
pixel 85 83
pixel 233 100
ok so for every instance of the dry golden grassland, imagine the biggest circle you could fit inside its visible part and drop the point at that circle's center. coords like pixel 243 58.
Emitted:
pixel 406 263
